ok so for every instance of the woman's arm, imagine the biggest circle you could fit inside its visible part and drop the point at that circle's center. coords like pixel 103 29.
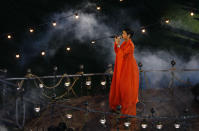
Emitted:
pixel 116 44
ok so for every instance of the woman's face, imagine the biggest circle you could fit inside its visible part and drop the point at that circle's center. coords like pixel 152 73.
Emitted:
pixel 124 35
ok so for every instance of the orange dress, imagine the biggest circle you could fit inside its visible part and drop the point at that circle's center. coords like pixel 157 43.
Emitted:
pixel 125 81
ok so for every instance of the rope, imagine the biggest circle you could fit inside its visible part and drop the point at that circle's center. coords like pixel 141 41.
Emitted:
pixel 97 74
pixel 66 92
pixel 49 87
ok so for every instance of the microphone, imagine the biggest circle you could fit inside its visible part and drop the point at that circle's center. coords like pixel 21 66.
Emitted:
pixel 113 36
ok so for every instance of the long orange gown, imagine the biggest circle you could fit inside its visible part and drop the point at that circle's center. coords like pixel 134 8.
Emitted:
pixel 125 81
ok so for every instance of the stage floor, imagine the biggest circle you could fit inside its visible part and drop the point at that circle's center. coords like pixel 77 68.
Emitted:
pixel 166 103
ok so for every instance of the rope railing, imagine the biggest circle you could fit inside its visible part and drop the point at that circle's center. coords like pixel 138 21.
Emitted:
pixel 56 76
pixel 76 76
pixel 37 79
pixel 95 74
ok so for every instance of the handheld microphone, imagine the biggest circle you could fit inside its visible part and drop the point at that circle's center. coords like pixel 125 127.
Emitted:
pixel 113 36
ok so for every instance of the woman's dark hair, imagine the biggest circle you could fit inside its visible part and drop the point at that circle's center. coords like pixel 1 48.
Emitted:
pixel 128 31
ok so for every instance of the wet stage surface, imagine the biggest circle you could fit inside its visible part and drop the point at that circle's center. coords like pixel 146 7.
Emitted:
pixel 165 104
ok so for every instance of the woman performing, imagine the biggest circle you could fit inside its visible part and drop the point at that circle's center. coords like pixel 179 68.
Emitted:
pixel 125 82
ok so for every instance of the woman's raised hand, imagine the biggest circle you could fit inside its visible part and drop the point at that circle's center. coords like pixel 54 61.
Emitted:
pixel 117 39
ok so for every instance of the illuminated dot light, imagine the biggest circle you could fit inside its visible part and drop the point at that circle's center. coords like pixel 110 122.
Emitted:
pixel 68 49
pixel 143 30
pixel 31 30
pixel 192 14
pixel 17 56
pixel 127 124
pixel 54 23
pixel 159 126
pixel 103 121
pixel 93 42
pixel 9 36
pixel 167 21
pixel 76 16
pixel 144 125
pixel 69 116
pixel 43 53
pixel 41 85
pixel 88 83
pixel 177 125
pixel 98 8
pixel 37 109
pixel 103 83
pixel 67 84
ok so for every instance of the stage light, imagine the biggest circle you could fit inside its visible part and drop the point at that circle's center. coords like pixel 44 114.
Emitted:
pixel 31 30
pixel 144 124
pixel 192 14
pixel 67 48
pixel 93 41
pixel 143 30
pixel 76 16
pixel 69 116
pixel 98 8
pixel 43 53
pixel 17 56
pixel 88 81
pixel 103 121
pixel 41 85
pixel 177 125
pixel 127 124
pixel 54 23
pixel 9 36
pixel 121 0
pixel 103 83
pixel 67 83
pixel 167 21
pixel 37 109
pixel 159 126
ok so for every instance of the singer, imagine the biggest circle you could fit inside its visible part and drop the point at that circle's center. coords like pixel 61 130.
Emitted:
pixel 125 82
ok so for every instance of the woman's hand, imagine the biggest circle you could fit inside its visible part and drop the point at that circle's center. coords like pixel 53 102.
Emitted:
pixel 117 40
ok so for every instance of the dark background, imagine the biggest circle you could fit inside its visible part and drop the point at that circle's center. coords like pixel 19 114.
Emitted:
pixel 18 16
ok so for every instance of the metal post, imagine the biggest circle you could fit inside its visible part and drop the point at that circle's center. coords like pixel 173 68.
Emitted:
pixel 4 89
